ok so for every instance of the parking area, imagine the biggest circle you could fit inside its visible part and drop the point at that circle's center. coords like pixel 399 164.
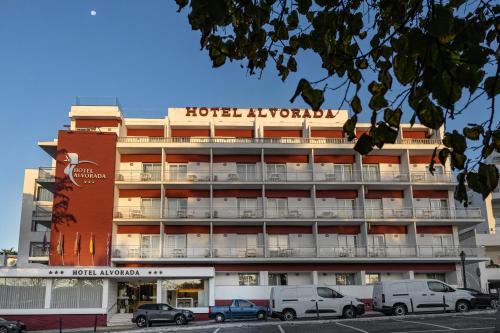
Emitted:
pixel 480 321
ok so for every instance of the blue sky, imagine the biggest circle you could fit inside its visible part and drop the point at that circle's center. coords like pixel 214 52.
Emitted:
pixel 143 52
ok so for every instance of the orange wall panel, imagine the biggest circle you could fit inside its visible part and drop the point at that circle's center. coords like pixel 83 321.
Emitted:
pixel 286 158
pixel 237 193
pixel 414 134
pixel 339 229
pixel 138 229
pixel 189 132
pixel 154 132
pixel 424 159
pixel 376 159
pixel 87 123
pixel 434 194
pixel 288 194
pixel 339 194
pixel 435 229
pixel 387 229
pixel 147 158
pixel 237 158
pixel 139 193
pixel 337 159
pixel 278 229
pixel 380 194
pixel 185 193
pixel 237 133
pixel 327 133
pixel 233 229
pixel 187 229
pixel 275 133
pixel 185 158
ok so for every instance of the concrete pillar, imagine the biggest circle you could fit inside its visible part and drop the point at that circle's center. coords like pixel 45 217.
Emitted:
pixel 105 294
pixel 315 278
pixel 412 237
pixel 211 291
pixel 158 291
pixel 211 239
pixel 362 277
pixel 264 233
pixel 162 238
pixel 315 235
pixel 409 275
pixel 48 293
pixel 264 278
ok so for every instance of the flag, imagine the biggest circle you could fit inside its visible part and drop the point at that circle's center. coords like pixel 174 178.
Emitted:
pixel 108 248
pixel 77 245
pixel 60 245
pixel 92 247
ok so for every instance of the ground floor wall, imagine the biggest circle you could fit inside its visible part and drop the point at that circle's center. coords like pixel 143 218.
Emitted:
pixel 56 321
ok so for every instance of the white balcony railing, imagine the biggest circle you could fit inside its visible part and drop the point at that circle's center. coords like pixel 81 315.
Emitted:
pixel 295 213
pixel 137 212
pixel 289 176
pixel 392 213
pixel 46 174
pixel 385 176
pixel 42 211
pixel 427 177
pixel 138 176
pixel 338 213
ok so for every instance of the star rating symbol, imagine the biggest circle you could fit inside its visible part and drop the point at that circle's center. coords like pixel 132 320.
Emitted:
pixel 89 181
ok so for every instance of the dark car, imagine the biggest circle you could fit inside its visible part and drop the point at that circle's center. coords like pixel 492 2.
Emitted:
pixel 8 326
pixel 239 309
pixel 147 314
pixel 482 300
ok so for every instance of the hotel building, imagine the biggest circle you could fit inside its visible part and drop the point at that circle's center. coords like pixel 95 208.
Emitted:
pixel 209 204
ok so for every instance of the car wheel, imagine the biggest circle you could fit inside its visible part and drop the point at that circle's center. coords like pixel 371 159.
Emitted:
pixel 141 321
pixel 349 312
pixel 220 318
pixel 462 306
pixel 3 329
pixel 493 304
pixel 288 315
pixel 180 319
pixel 399 310
pixel 261 315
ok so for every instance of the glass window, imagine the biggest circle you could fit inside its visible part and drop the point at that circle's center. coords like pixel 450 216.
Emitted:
pixel 150 246
pixel 248 279
pixel 348 241
pixel 148 307
pixel 244 304
pixel 151 171
pixel 345 279
pixel 371 172
pixel 247 207
pixel 76 293
pixel 371 278
pixel 438 286
pixel 277 207
pixel 437 276
pixel 345 207
pixel 276 172
pixel 38 250
pixel 278 242
pixel 278 279
pixel 373 207
pixel 42 194
pixel 327 293
pixel 177 207
pixel 185 293
pixel 177 172
pixel 43 226
pixel 342 172
pixel 22 293
pixel 246 172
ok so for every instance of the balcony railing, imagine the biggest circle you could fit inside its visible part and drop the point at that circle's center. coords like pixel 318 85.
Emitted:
pixel 193 176
pixel 39 252
pixel 339 213
pixel 403 251
pixel 411 141
pixel 385 176
pixel 138 176
pixel 427 177
pixel 388 213
pixel 447 213
pixel 282 213
pixel 46 174
pixel 289 176
pixel 137 212
pixel 42 211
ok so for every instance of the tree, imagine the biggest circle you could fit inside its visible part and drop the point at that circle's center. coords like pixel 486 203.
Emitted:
pixel 10 251
pixel 435 56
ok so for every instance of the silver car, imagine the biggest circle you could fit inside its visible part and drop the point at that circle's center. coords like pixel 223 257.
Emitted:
pixel 147 314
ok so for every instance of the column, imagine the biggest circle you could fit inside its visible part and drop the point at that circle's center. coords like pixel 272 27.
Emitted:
pixel 315 234
pixel 264 278
pixel 162 238
pixel 264 231
pixel 211 291
pixel 211 239
pixel 412 237
pixel 315 277
pixel 48 293
pixel 105 294
pixel 362 276
pixel 211 166
pixel 158 291
pixel 409 275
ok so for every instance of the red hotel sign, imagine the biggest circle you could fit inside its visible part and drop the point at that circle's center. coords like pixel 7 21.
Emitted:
pixel 259 113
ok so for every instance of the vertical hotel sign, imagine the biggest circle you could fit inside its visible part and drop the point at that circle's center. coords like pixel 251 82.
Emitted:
pixel 82 215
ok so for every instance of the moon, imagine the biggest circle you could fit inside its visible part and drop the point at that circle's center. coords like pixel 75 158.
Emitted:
pixel 93 12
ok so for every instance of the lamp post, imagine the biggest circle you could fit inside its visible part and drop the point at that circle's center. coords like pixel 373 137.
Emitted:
pixel 462 259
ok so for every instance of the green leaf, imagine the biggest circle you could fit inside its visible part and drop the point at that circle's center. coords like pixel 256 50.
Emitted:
pixel 292 20
pixel 472 133
pixel 404 68
pixel 364 145
pixel 292 64
pixel 456 141
pixel 433 161
pixel 356 104
pixel 457 161
pixel 485 180
pixel 313 97
pixel 378 102
pixel 181 4
pixel 376 88
pixel 460 193
pixel 303 6
pixel 430 115
pixel 303 84
pixel 492 86
pixel 443 155
pixel 384 134
pixel 362 63
pixel 393 117
pixel 441 21
pixel 349 127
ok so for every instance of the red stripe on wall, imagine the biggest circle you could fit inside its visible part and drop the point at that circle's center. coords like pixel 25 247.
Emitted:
pixel 435 229
pixel 139 193
pixel 387 229
pixel 236 193
pixel 337 159
pixel 424 159
pixel 185 193
pixel 228 229
pixel 288 194
pixel 83 123
pixel 286 158
pixel 380 194
pixel 185 158
pixel 339 229
pixel 269 133
pixel 141 158
pixel 237 158
pixel 339 194
pixel 154 132
pixel 327 133
pixel 186 229
pixel 237 133
pixel 278 229
pixel 138 229
pixel 189 132
pixel 434 194
pixel 45 322
pixel 414 134
pixel 376 159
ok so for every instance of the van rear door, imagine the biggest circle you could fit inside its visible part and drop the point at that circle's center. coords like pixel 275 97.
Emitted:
pixel 378 290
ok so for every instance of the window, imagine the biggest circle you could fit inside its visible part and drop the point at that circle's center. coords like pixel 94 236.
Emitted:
pixel 177 172
pixel 22 293
pixel 437 276
pixel 328 293
pixel 371 172
pixel 175 245
pixel 442 241
pixel 373 208
pixel 342 172
pixel 371 278
pixel 276 172
pixel 244 304
pixel 76 293
pixel 277 207
pixel 277 242
pixel 38 250
pixel 438 169
pixel 149 307
pixel 345 279
pixel 150 246
pixel 345 207
pixel 165 307
pixel 248 279
pixel 248 241
pixel 348 241
pixel 150 207
pixel 247 207
pixel 439 208
pixel 185 293
pixel 376 241
pixel 438 287
pixel 278 279
pixel 42 194
pixel 43 226
pixel 177 207
pixel 246 172
pixel 151 171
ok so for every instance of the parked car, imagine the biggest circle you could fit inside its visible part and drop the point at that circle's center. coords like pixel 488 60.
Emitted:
pixel 8 326
pixel 239 309
pixel 147 314
pixel 482 300
pixel 309 301
pixel 399 297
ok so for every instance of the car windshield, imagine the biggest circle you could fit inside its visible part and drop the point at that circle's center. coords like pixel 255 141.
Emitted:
pixel 1 319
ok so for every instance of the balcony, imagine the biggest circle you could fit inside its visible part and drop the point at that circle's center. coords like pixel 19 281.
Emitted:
pixel 404 251
pixel 447 213
pixel 135 176
pixel 339 213
pixel 289 176
pixel 42 212
pixel 137 212
pixel 290 212
pixel 385 177
pixel 190 176
pixel 389 213
pixel 412 141
pixel 427 177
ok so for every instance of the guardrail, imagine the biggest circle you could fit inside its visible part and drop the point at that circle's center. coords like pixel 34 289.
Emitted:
pixel 46 174
pixel 42 211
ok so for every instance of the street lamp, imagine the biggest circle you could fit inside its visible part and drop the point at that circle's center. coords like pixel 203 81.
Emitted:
pixel 462 259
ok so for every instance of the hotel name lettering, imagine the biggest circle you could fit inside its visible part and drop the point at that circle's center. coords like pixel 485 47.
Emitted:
pixel 105 272
pixel 259 113
pixel 88 173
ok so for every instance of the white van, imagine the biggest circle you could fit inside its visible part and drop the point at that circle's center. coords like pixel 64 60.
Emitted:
pixel 311 301
pixel 400 297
